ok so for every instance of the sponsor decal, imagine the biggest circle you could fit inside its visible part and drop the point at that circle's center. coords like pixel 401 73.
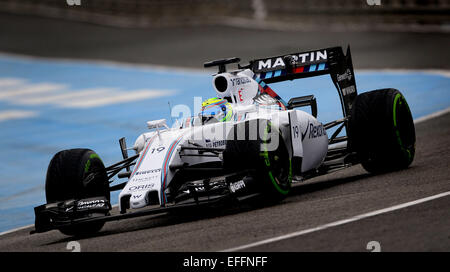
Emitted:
pixel 236 186
pixel 296 59
pixel 240 95
pixel 141 187
pixel 84 205
pixel 240 81
pixel 69 209
pixel 314 131
pixel 345 76
pixel 148 171
pixel 306 131
pixel 144 179
pixel 216 143
pixel 348 90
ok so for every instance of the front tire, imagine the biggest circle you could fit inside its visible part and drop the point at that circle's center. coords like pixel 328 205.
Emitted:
pixel 381 131
pixel 76 174
pixel 273 168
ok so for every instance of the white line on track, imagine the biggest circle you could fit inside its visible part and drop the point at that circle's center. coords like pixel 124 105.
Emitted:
pixel 21 91
pixel 16 114
pixel 16 229
pixel 60 97
pixel 431 116
pixel 115 98
pixel 7 82
pixel 338 223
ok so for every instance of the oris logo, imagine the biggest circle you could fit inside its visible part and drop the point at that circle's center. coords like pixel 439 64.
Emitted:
pixel 141 187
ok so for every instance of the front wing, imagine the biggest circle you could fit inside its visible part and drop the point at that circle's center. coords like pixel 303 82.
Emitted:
pixel 97 209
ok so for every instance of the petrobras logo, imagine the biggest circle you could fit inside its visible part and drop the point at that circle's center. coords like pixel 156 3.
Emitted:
pixel 215 144
pixel 302 58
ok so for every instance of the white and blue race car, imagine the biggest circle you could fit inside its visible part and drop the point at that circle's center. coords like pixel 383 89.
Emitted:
pixel 246 142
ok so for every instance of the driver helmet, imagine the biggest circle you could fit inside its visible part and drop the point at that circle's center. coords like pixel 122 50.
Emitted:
pixel 216 110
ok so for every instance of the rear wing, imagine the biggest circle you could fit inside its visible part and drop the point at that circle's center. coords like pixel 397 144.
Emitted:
pixel 308 64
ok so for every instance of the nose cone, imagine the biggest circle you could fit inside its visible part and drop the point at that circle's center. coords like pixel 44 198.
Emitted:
pixel 138 200
pixel 152 172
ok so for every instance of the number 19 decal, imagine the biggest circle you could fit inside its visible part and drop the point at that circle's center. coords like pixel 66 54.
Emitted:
pixel 159 149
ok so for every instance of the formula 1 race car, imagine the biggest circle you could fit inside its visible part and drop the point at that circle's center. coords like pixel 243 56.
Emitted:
pixel 246 142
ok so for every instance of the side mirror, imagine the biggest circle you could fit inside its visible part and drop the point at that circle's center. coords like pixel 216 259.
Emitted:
pixel 302 101
pixel 157 124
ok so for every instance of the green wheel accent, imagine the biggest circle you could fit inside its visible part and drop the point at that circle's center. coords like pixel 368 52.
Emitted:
pixel 88 163
pixel 265 154
pixel 399 100
pixel 270 168
pixel 397 97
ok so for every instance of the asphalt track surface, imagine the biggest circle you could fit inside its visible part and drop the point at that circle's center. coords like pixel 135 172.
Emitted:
pixel 322 200
pixel 337 196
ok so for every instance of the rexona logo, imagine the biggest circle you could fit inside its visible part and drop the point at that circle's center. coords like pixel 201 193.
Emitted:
pixel 303 58
pixel 314 131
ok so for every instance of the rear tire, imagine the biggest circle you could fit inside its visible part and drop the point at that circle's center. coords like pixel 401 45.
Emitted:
pixel 381 131
pixel 65 180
